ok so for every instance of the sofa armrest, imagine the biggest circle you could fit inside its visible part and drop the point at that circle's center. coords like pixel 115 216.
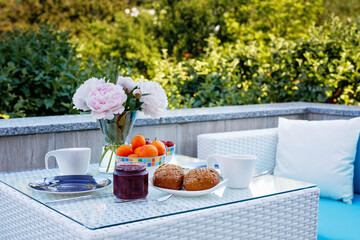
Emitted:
pixel 260 142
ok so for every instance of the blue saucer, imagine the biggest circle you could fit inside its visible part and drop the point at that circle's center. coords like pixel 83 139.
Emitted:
pixel 70 184
pixel 201 166
pixel 191 165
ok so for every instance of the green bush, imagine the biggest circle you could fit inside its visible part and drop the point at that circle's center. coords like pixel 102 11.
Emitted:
pixel 125 41
pixel 323 68
pixel 73 14
pixel 183 26
pixel 203 52
pixel 342 9
pixel 263 19
pixel 103 31
pixel 41 70
pixel 38 72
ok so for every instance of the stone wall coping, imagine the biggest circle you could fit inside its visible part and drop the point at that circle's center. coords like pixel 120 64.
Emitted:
pixel 64 123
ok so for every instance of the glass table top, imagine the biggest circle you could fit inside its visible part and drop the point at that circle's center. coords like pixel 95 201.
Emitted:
pixel 103 210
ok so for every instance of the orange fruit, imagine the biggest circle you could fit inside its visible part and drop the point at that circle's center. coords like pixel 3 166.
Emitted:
pixel 124 150
pixel 137 150
pixel 138 141
pixel 148 151
pixel 133 155
pixel 159 146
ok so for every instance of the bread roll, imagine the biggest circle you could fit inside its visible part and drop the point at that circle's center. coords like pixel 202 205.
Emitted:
pixel 201 179
pixel 169 176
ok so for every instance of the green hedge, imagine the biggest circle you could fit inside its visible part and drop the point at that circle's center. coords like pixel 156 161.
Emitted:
pixel 323 68
pixel 38 72
pixel 204 52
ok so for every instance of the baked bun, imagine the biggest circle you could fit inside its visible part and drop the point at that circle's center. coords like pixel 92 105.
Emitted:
pixel 169 176
pixel 201 179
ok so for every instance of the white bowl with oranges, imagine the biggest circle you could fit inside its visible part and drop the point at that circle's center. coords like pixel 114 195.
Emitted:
pixel 141 150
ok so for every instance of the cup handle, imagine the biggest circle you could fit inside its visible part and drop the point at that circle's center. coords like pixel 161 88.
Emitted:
pixel 210 161
pixel 49 154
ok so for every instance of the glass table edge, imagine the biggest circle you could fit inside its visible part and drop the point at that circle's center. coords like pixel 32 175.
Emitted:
pixel 45 205
pixel 165 215
pixel 198 209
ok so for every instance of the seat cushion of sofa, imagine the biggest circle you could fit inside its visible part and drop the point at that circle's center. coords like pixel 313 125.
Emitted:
pixel 338 220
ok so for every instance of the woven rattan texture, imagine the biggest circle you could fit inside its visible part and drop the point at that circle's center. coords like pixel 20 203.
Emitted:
pixel 23 218
pixel 287 216
pixel 261 143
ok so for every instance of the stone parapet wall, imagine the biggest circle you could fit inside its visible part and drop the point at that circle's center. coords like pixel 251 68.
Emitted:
pixel 24 142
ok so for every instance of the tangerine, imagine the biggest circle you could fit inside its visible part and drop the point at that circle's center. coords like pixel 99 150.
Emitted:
pixel 138 141
pixel 137 150
pixel 159 146
pixel 133 155
pixel 148 151
pixel 124 150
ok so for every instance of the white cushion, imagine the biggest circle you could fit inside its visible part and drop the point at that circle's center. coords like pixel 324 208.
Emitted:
pixel 320 152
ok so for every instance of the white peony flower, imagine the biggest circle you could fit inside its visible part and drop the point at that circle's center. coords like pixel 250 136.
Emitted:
pixel 156 102
pixel 83 92
pixel 126 82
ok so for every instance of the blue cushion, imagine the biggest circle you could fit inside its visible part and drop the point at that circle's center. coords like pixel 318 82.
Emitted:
pixel 338 220
pixel 357 169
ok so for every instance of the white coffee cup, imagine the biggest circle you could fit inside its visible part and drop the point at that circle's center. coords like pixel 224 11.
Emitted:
pixel 71 161
pixel 238 169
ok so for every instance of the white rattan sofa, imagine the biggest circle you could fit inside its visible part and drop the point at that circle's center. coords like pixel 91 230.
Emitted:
pixel 337 220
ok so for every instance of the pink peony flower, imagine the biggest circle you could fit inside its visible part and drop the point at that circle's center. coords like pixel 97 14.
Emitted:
pixel 83 91
pixel 156 102
pixel 106 100
pixel 126 82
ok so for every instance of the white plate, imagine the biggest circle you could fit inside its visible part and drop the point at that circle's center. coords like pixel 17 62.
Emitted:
pixel 184 193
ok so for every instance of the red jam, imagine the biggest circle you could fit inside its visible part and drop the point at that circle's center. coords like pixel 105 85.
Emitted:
pixel 130 180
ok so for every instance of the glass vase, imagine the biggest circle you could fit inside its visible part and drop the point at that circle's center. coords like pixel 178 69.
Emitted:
pixel 115 132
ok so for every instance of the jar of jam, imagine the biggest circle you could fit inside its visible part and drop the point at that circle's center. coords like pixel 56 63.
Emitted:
pixel 130 180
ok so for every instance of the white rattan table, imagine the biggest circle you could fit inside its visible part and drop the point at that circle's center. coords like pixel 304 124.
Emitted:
pixel 271 208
